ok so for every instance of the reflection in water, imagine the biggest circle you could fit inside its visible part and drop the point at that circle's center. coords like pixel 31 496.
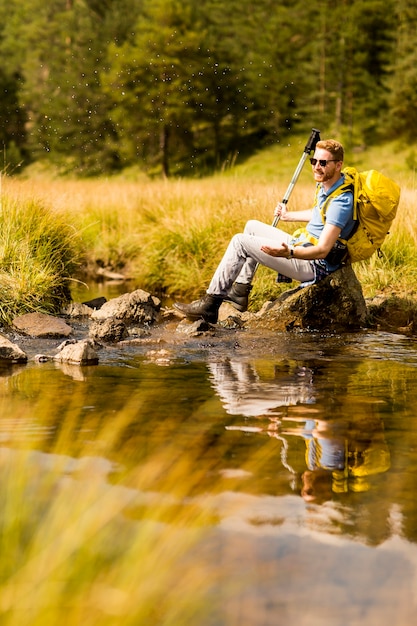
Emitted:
pixel 341 457
pixel 341 452
pixel 243 392
pixel 212 491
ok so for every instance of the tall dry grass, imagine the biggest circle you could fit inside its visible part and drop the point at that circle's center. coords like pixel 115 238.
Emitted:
pixel 170 235
pixel 38 256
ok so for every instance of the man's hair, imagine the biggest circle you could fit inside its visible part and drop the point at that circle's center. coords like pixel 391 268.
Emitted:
pixel 332 146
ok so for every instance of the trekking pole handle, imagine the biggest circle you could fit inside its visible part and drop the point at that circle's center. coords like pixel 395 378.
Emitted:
pixel 310 146
pixel 312 142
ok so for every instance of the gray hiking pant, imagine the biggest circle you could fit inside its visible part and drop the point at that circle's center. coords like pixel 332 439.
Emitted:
pixel 244 253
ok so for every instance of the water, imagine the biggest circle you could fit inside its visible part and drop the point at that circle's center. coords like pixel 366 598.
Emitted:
pixel 276 472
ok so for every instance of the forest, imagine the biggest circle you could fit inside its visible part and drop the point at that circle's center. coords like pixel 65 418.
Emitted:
pixel 94 87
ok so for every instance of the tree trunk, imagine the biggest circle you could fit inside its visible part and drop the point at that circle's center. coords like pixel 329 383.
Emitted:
pixel 164 145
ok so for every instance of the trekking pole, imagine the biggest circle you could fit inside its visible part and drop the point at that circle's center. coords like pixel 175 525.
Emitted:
pixel 310 146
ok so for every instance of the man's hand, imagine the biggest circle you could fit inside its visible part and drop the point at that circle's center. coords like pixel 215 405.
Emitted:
pixel 282 251
pixel 281 211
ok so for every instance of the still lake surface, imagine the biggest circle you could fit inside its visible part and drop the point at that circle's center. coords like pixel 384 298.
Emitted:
pixel 290 459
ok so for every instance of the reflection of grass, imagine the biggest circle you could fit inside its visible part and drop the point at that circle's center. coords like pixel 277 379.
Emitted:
pixel 85 542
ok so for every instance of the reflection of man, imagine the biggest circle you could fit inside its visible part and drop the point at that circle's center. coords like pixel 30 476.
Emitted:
pixel 242 392
pixel 340 457
pixel 341 454
pixel 317 486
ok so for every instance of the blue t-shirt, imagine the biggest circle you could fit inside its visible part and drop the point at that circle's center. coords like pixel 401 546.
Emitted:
pixel 339 211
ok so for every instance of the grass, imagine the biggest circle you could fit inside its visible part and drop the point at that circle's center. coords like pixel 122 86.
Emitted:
pixel 84 541
pixel 169 235
pixel 38 256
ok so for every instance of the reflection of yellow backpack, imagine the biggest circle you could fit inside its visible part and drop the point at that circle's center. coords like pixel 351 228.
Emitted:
pixel 375 202
pixel 359 465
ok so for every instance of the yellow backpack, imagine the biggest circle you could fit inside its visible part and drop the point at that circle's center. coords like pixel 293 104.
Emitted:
pixel 375 203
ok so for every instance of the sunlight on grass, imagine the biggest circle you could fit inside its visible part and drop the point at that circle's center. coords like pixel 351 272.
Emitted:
pixel 168 236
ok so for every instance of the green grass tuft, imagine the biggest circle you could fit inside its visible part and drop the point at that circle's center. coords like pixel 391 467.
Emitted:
pixel 38 257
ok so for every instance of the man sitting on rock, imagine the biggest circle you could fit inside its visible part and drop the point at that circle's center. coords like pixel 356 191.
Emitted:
pixel 308 255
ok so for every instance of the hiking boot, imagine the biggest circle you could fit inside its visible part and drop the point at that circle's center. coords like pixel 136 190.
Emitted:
pixel 207 308
pixel 238 296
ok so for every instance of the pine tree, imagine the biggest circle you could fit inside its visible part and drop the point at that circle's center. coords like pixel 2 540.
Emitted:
pixel 403 80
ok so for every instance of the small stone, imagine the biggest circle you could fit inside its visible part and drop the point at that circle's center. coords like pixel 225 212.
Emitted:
pixel 80 353
pixel 11 352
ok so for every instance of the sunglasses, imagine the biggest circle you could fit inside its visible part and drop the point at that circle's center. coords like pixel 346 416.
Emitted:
pixel 321 162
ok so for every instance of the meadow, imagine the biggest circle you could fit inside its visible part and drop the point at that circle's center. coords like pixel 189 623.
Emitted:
pixel 168 235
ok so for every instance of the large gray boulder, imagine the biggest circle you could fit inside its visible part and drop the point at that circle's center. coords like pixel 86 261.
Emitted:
pixel 334 304
pixel 110 330
pixel 137 307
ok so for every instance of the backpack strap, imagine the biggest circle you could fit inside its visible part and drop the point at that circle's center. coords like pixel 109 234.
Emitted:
pixel 353 183
pixel 350 184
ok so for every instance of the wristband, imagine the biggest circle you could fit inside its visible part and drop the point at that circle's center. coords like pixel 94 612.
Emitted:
pixel 291 252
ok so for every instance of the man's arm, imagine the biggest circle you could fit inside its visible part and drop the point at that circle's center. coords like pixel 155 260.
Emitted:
pixel 326 242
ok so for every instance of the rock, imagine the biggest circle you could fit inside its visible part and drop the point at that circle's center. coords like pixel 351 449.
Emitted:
pixel 41 325
pixel 96 303
pixel 137 307
pixel 393 314
pixel 42 358
pixel 110 275
pixel 110 330
pixel 11 352
pixel 334 304
pixel 193 329
pixel 65 343
pixel 138 333
pixel 160 357
pixel 233 322
pixel 227 311
pixel 80 353
pixel 75 309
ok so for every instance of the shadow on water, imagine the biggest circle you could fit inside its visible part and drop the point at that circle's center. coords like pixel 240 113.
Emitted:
pixel 231 480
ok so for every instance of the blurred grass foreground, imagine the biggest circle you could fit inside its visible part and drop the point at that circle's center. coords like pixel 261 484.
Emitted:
pixel 87 541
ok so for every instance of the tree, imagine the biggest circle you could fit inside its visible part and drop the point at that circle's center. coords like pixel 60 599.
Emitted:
pixel 368 53
pixel 191 79
pixel 12 128
pixel 403 78
pixel 61 47
pixel 147 82
pixel 96 85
